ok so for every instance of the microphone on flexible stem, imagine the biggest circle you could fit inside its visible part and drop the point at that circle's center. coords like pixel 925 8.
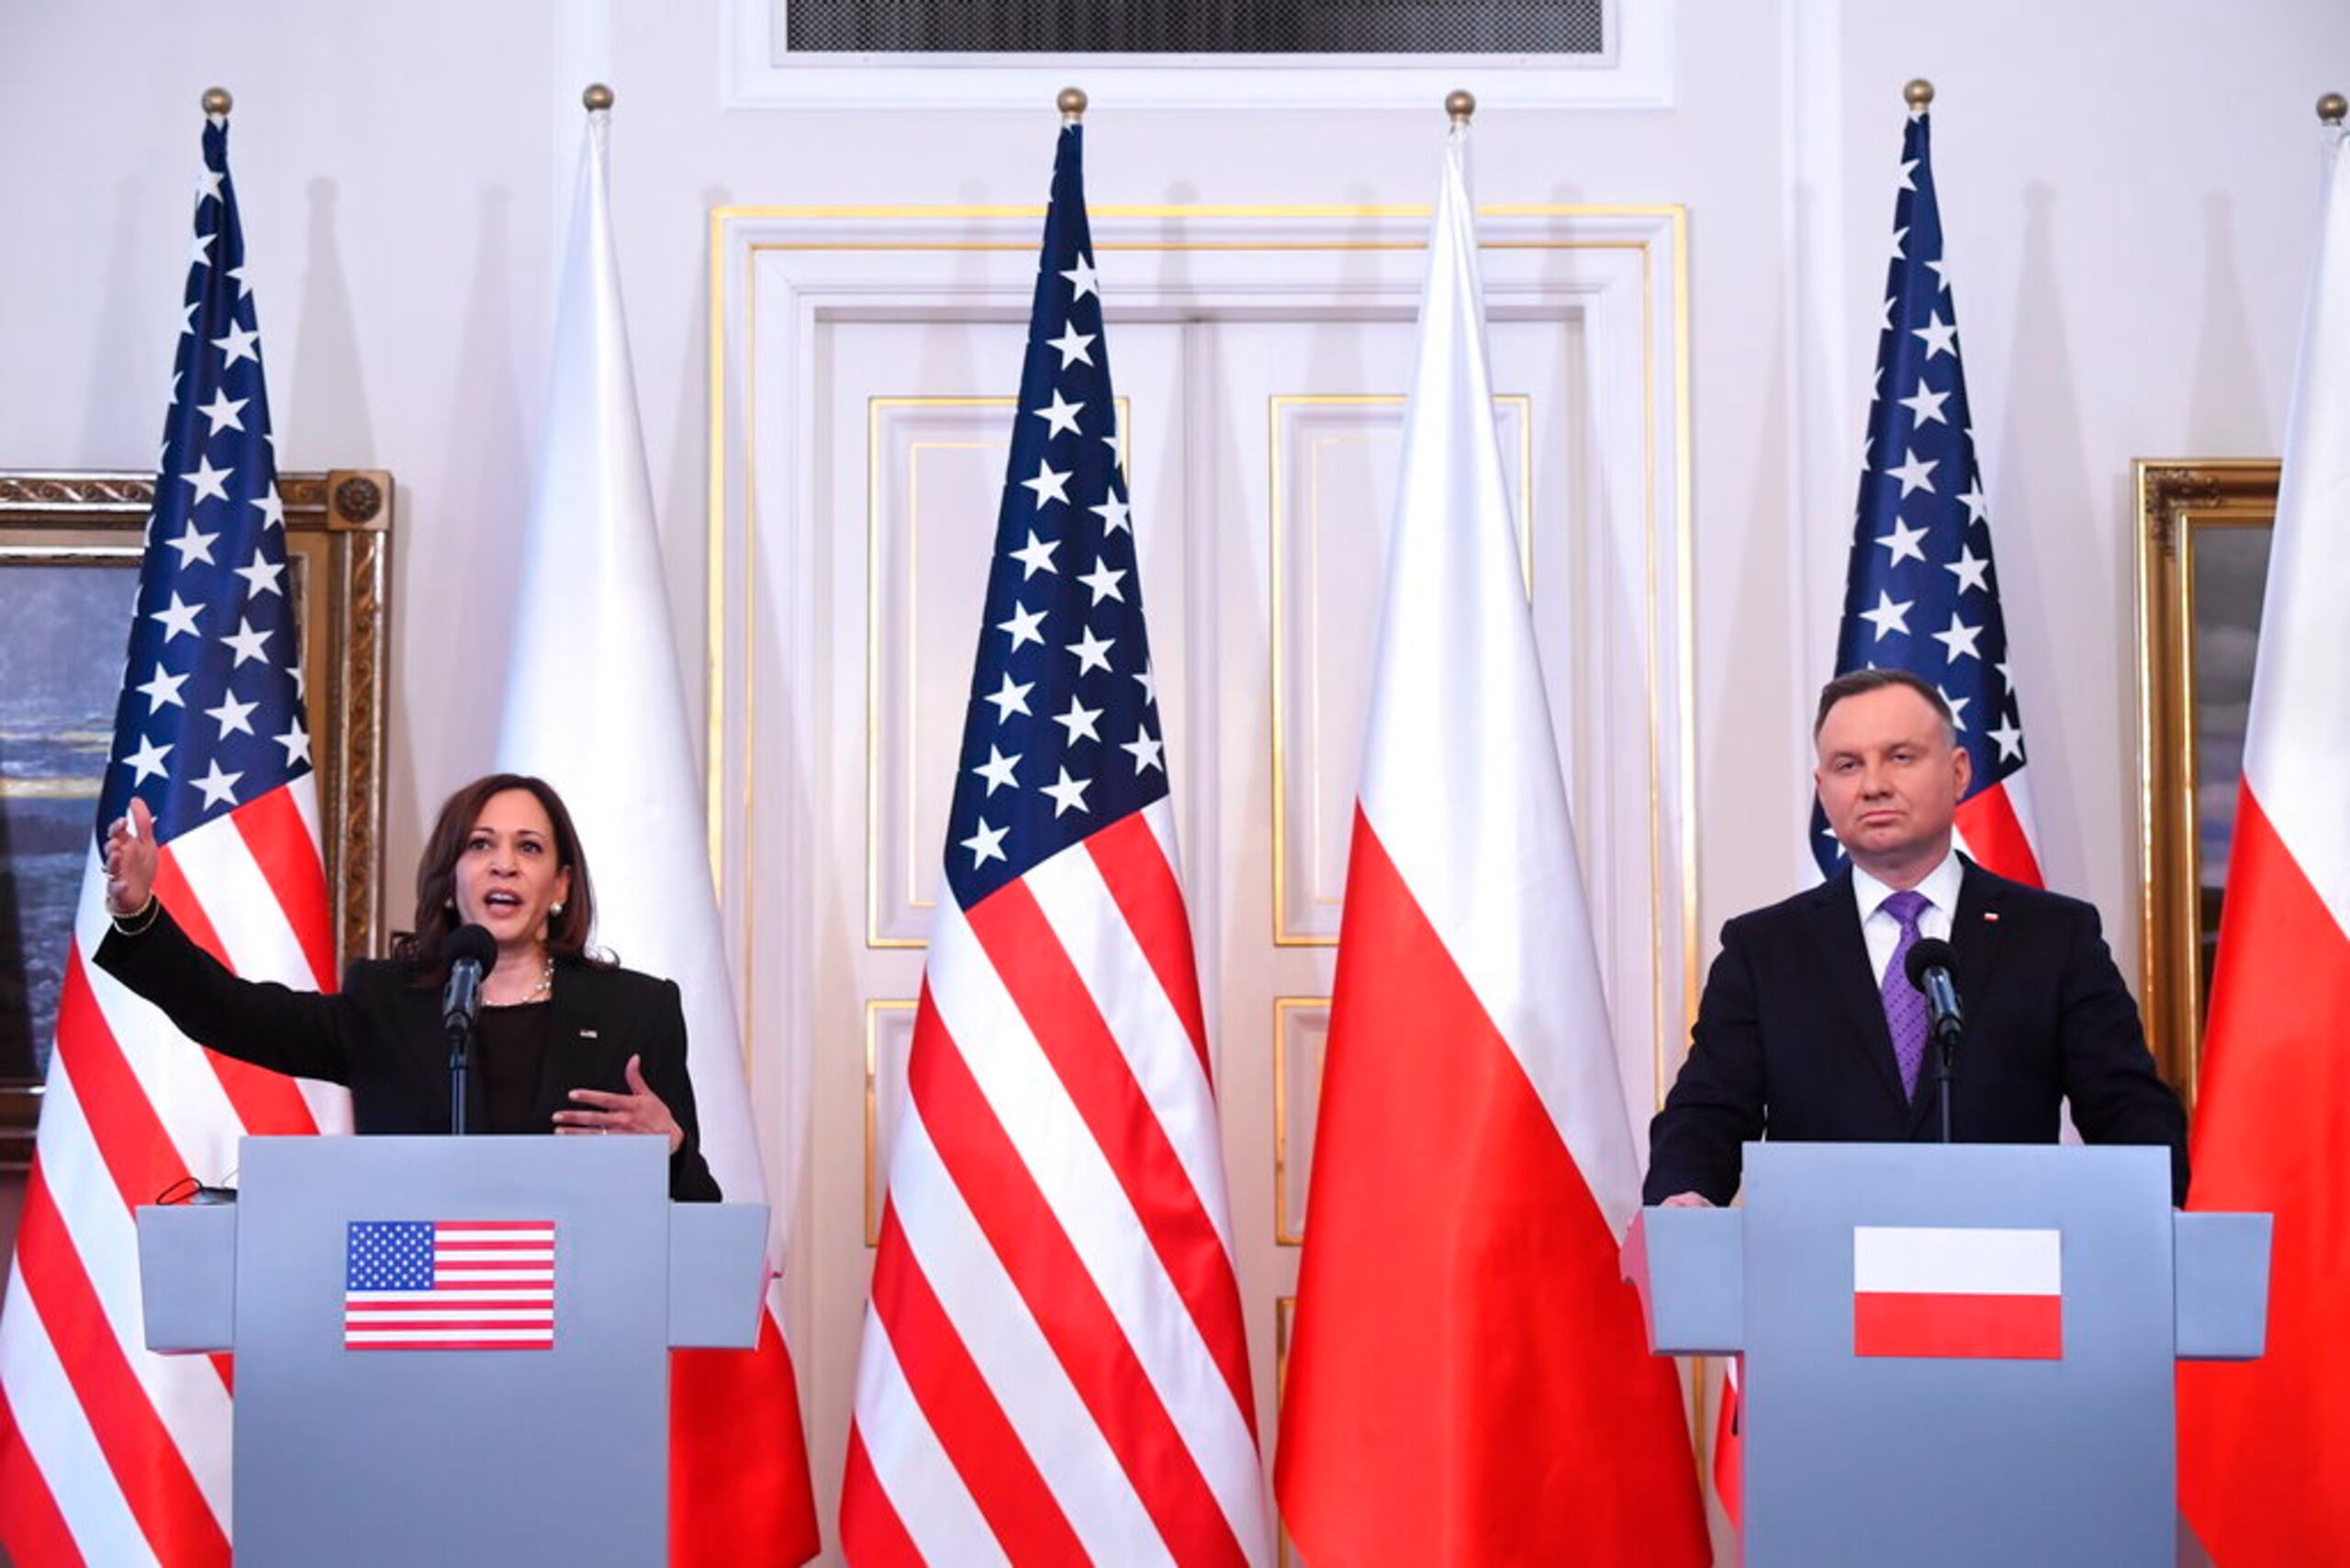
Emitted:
pixel 1929 967
pixel 472 954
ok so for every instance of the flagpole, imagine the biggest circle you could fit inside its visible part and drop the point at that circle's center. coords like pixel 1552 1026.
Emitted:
pixel 218 101
pixel 1071 102
pixel 2331 108
pixel 1461 104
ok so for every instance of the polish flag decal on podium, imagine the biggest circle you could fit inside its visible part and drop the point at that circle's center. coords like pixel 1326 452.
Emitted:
pixel 1958 1292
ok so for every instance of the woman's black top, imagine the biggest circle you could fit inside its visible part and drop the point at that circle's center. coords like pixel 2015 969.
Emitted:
pixel 510 1051
pixel 380 1035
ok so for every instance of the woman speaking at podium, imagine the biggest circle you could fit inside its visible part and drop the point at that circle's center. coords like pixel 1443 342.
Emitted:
pixel 565 1041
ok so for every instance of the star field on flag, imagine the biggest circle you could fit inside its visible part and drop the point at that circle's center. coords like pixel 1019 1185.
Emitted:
pixel 211 714
pixel 1921 593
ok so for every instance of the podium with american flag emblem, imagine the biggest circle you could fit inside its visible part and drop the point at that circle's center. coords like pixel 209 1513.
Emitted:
pixel 1955 1354
pixel 451 1350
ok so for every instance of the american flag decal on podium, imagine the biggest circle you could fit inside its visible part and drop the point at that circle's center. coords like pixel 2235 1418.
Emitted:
pixel 107 1453
pixel 449 1286
pixel 1920 593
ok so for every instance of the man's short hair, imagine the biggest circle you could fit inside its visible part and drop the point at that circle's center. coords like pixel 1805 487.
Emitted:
pixel 1851 683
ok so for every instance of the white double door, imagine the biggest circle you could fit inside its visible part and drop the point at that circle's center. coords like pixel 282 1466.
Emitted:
pixel 1262 457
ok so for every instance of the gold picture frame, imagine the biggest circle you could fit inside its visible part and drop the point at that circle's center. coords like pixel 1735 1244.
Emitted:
pixel 337 536
pixel 2203 559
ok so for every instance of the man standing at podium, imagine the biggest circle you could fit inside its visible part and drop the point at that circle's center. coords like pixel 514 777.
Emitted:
pixel 1809 1029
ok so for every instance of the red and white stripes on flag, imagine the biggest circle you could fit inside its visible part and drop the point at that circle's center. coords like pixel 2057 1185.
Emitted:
pixel 1054 1368
pixel 1469 1378
pixel 2264 1465
pixel 109 1454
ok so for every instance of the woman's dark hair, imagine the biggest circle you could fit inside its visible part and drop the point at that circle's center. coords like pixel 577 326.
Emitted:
pixel 436 878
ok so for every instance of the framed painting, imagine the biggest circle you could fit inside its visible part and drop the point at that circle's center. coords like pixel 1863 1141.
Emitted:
pixel 69 560
pixel 2204 532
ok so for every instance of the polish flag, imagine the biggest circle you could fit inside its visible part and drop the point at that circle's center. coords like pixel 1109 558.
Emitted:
pixel 595 702
pixel 1958 1292
pixel 2263 1465
pixel 1469 1379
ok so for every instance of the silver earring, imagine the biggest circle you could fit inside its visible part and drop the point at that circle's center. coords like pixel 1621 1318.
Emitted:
pixel 557 910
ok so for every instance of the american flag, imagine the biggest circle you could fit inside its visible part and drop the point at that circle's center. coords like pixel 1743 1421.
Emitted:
pixel 1054 1366
pixel 421 1284
pixel 1920 593
pixel 108 1453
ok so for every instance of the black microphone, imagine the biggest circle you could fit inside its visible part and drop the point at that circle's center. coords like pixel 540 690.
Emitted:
pixel 1928 967
pixel 472 954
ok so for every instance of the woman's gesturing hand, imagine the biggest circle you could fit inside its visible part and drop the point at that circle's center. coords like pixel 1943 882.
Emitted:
pixel 638 1110
pixel 131 861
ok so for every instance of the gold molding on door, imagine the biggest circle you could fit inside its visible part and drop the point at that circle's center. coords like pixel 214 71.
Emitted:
pixel 1288 1230
pixel 721 218
pixel 1523 404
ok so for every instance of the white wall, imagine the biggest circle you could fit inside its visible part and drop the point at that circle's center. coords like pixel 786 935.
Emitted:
pixel 393 172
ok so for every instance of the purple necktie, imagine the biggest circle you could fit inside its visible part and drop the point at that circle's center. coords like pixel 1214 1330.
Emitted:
pixel 1905 1005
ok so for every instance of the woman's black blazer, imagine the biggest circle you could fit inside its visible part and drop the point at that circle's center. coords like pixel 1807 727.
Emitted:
pixel 380 1035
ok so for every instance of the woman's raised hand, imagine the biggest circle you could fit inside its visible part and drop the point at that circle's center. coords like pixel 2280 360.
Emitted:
pixel 131 861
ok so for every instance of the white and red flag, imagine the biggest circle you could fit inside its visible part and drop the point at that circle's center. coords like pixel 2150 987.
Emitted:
pixel 1469 1378
pixel 1958 1292
pixel 2264 1465
pixel 107 1453
pixel 1054 1368
pixel 595 704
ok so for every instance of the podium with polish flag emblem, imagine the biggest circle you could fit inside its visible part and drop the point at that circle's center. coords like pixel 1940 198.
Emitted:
pixel 451 1350
pixel 1955 1354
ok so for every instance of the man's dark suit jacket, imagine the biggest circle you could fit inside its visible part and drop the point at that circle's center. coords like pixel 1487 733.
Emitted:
pixel 1790 1040
pixel 381 1036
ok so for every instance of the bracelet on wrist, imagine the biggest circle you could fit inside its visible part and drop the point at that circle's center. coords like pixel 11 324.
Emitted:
pixel 136 924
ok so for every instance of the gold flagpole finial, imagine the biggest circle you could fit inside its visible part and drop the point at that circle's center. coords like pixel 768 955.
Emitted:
pixel 2332 108
pixel 217 101
pixel 1459 105
pixel 1919 95
pixel 1071 102
pixel 597 97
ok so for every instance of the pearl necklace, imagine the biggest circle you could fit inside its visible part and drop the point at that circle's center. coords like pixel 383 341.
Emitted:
pixel 539 990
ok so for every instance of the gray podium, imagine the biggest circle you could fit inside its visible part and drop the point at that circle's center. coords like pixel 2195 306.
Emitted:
pixel 354 1452
pixel 1955 1355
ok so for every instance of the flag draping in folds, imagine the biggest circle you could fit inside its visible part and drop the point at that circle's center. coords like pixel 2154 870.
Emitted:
pixel 1054 1367
pixel 107 1453
pixel 1920 591
pixel 594 704
pixel 1469 1378
pixel 2264 1467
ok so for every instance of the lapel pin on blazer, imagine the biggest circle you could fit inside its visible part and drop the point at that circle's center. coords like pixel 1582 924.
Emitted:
pixel 1990 917
pixel 588 1034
